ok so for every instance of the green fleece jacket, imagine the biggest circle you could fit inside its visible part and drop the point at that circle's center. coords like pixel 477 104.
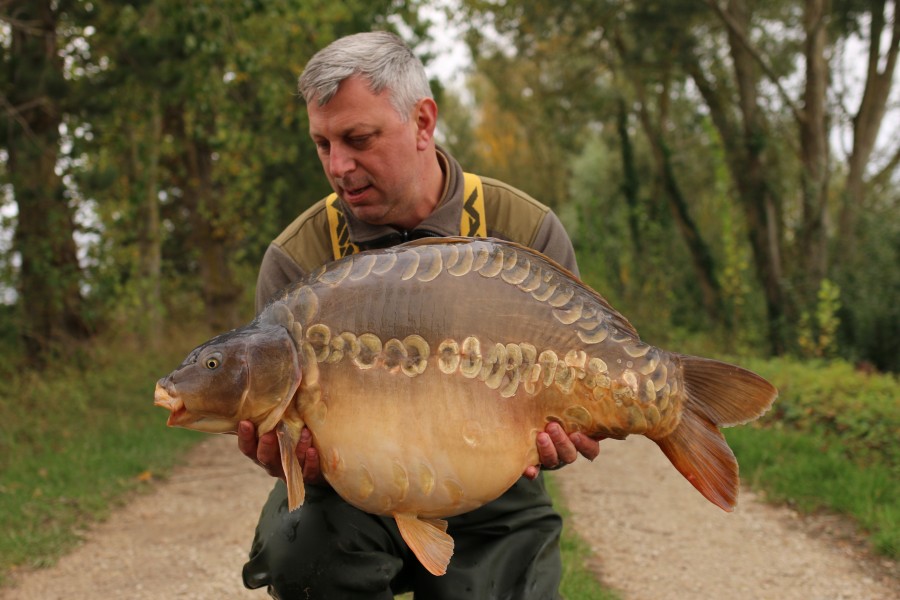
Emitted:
pixel 511 215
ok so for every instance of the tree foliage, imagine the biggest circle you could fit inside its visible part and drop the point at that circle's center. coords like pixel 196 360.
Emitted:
pixel 184 141
pixel 36 97
pixel 722 162
pixel 723 114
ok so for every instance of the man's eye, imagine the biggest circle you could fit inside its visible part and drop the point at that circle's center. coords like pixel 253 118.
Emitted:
pixel 323 147
pixel 359 140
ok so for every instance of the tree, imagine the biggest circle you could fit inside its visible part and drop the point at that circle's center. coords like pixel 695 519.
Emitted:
pixel 572 71
pixel 868 118
pixel 762 79
pixel 200 124
pixel 36 96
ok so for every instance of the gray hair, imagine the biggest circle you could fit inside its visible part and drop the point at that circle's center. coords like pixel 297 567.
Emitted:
pixel 380 57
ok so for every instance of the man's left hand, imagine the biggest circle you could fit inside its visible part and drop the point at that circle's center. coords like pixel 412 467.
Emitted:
pixel 556 449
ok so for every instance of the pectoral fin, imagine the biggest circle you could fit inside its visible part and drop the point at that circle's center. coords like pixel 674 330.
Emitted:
pixel 428 539
pixel 288 437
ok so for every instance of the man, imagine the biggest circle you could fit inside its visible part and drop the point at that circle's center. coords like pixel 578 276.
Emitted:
pixel 372 118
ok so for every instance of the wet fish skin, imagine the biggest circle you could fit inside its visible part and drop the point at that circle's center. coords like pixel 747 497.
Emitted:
pixel 212 390
pixel 425 362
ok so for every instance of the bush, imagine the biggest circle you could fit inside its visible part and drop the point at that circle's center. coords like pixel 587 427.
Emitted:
pixel 857 411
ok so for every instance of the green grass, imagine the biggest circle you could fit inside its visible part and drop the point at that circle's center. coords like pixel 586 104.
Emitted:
pixel 829 443
pixel 74 441
pixel 808 472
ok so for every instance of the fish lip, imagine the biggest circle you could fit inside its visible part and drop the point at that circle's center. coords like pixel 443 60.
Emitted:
pixel 175 405
pixel 162 397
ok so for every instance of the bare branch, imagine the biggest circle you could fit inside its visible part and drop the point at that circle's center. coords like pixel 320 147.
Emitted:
pixel 16 113
pixel 883 176
pixel 741 35
pixel 29 27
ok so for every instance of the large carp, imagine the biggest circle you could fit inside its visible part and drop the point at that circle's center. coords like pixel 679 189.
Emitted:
pixel 425 372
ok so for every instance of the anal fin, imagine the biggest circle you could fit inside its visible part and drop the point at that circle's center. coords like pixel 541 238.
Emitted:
pixel 288 437
pixel 428 539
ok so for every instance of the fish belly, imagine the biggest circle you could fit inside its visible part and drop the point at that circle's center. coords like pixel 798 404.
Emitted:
pixel 436 445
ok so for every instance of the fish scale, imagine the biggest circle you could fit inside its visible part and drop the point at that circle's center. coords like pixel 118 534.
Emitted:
pixel 425 372
pixel 427 263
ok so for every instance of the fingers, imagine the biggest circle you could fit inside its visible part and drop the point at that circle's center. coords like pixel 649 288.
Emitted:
pixel 309 458
pixel 264 451
pixel 587 447
pixel 532 472
pixel 556 449
pixel 268 454
pixel 247 439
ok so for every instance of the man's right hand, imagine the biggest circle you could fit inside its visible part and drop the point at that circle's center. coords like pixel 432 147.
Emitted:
pixel 265 452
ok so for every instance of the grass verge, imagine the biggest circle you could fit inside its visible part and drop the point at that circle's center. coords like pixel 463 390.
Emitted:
pixel 74 441
pixel 829 443
pixel 805 471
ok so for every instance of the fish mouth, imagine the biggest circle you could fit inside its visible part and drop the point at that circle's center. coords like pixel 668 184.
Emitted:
pixel 180 417
pixel 162 397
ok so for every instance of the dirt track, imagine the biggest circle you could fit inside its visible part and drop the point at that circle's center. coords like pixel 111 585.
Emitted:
pixel 654 538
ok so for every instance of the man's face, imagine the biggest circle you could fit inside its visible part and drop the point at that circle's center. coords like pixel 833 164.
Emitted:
pixel 370 155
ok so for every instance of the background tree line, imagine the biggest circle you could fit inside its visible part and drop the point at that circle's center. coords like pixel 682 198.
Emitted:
pixel 723 166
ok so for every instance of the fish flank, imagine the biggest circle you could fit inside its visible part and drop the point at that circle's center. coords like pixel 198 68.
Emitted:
pixel 503 367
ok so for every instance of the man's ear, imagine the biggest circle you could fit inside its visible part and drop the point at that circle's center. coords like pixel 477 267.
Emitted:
pixel 425 115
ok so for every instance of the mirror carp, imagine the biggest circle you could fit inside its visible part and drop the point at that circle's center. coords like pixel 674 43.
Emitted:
pixel 425 372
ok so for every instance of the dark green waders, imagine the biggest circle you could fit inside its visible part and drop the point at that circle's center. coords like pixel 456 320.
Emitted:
pixel 329 550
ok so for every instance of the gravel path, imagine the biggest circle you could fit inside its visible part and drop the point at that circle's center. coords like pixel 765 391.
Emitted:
pixel 654 538
pixel 186 539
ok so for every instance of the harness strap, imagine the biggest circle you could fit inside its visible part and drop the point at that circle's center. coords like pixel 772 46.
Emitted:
pixel 472 221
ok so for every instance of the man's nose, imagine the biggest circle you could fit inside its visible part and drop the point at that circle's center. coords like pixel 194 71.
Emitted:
pixel 340 162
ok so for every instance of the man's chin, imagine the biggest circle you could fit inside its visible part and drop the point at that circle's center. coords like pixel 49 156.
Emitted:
pixel 368 212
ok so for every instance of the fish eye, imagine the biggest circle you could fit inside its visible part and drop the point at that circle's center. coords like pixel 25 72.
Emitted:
pixel 213 362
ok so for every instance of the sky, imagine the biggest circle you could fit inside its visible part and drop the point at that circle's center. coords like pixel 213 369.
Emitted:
pixel 451 56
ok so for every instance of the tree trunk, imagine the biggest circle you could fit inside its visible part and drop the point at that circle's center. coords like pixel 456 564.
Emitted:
pixel 868 119
pixel 210 235
pixel 744 138
pixel 701 256
pixel 146 169
pixel 813 258
pixel 49 295
pixel 630 177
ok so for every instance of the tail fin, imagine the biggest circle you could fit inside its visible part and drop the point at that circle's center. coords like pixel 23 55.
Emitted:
pixel 716 395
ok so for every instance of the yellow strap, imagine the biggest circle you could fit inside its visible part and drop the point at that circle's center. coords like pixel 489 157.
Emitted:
pixel 472 222
pixel 341 245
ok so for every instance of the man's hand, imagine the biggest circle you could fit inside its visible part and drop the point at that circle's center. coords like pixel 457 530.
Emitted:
pixel 266 453
pixel 556 449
